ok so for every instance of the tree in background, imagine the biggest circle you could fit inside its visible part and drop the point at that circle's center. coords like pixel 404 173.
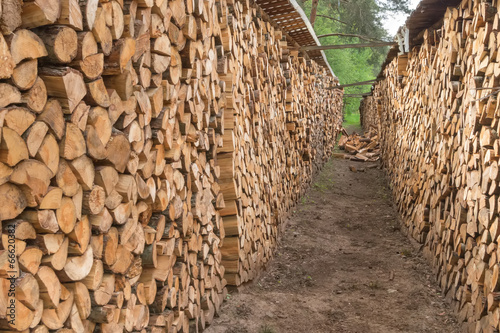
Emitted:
pixel 351 22
pixel 314 10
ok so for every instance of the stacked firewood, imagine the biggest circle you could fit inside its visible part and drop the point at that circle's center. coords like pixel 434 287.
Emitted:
pixel 369 120
pixel 439 121
pixel 362 148
pixel 135 136
pixel 274 115
pixel 111 122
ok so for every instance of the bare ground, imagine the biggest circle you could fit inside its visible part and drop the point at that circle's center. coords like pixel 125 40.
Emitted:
pixel 342 266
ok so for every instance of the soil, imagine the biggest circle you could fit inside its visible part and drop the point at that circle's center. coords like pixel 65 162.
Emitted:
pixel 343 265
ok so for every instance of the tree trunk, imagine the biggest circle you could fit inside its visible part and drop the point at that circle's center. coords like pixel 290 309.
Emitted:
pixel 314 9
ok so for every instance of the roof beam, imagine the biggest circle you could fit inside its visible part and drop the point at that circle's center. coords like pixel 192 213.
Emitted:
pixel 346 46
pixel 357 95
pixel 363 83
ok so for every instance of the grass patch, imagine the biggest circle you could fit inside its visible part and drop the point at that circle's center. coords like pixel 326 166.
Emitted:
pixel 324 182
pixel 266 329
pixel 351 119
pixel 406 252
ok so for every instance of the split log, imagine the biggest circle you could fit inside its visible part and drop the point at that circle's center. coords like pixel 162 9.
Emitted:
pixel 64 83
pixel 40 12
pixel 61 43
pixel 24 44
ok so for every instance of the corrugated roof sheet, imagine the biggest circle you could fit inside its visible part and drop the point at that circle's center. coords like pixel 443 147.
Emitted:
pixel 292 19
pixel 427 13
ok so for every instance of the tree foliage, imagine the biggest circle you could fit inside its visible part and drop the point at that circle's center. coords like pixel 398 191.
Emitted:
pixel 354 17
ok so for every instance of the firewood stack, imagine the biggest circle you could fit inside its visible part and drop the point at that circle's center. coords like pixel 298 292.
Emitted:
pixel 273 116
pixel 439 120
pixel 135 136
pixel 369 120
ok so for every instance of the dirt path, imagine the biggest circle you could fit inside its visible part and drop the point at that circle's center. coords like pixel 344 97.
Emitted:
pixel 343 266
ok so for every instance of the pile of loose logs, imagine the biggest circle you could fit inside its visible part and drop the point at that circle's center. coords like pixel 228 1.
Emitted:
pixel 438 114
pixel 360 148
pixel 149 150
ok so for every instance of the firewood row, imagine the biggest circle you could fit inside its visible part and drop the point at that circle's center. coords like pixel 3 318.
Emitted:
pixel 369 119
pixel 360 148
pixel 438 117
pixel 278 134
pixel 149 150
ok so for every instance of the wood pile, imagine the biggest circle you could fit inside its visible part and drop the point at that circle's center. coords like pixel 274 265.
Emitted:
pixel 149 150
pixel 438 114
pixel 369 120
pixel 359 148
pixel 278 135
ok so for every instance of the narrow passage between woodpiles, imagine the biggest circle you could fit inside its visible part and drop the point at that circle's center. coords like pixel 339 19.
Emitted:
pixel 343 266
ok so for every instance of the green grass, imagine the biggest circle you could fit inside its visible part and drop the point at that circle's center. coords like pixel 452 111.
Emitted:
pixel 406 252
pixel 266 329
pixel 324 180
pixel 351 119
